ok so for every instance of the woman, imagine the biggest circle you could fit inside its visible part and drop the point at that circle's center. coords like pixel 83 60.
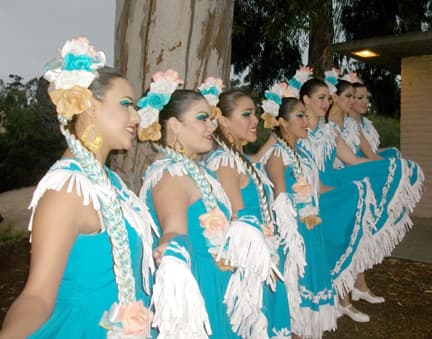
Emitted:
pixel 85 222
pixel 359 109
pixel 249 192
pixel 350 131
pixel 191 212
pixel 396 183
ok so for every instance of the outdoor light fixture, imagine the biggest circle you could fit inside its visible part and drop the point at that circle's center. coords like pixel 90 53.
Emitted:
pixel 366 53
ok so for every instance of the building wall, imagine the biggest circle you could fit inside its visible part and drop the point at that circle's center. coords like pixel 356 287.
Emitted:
pixel 416 121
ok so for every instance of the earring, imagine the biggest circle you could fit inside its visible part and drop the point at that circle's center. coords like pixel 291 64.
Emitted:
pixel 92 145
pixel 230 138
pixel 178 147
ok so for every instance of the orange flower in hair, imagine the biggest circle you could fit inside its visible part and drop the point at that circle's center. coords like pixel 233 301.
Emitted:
pixel 150 133
pixel 69 102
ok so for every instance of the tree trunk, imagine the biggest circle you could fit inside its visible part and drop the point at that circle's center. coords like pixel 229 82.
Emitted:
pixel 192 37
pixel 321 37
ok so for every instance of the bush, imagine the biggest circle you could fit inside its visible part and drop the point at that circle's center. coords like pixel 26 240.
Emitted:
pixel 388 129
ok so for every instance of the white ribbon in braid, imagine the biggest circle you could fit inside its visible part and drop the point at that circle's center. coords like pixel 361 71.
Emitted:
pixel 264 204
pixel 195 173
pixel 111 214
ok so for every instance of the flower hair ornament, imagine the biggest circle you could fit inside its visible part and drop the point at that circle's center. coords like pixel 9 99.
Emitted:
pixel 296 82
pixel 352 78
pixel 272 102
pixel 162 87
pixel 331 78
pixel 70 76
pixel 211 88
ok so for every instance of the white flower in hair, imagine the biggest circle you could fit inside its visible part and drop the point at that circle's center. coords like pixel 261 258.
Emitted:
pixel 331 79
pixel 163 86
pixel 352 77
pixel 296 82
pixel 272 102
pixel 76 65
pixel 211 88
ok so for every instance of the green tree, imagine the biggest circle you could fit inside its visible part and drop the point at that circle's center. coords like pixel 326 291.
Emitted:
pixel 28 142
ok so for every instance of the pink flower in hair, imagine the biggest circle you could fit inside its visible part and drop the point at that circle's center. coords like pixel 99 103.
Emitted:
pixel 170 75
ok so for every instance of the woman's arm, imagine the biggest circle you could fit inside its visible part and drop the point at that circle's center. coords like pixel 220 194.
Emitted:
pixel 275 169
pixel 366 148
pixel 56 224
pixel 231 182
pixel 171 198
pixel 345 153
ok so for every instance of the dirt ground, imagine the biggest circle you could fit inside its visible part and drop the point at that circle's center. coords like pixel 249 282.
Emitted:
pixel 406 285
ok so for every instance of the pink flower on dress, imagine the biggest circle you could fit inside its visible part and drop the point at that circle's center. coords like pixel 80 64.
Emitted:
pixel 135 318
pixel 302 187
pixel 169 75
pixel 214 222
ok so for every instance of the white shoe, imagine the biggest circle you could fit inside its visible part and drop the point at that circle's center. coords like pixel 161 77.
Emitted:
pixel 358 316
pixel 356 295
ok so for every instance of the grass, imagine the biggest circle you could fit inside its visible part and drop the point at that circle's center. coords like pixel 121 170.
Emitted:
pixel 8 232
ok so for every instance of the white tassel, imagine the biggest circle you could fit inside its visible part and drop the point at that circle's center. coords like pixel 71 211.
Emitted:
pixel 179 306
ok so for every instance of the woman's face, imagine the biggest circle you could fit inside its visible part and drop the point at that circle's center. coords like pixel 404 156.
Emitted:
pixel 297 125
pixel 117 118
pixel 345 100
pixel 361 100
pixel 195 131
pixel 242 123
pixel 319 101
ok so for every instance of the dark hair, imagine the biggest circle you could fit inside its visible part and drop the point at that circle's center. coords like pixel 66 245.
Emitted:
pixel 342 86
pixel 285 109
pixel 103 82
pixel 228 99
pixel 180 101
pixel 310 87
pixel 227 104
pixel 358 85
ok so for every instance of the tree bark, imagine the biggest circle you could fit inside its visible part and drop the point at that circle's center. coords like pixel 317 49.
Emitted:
pixel 192 37
pixel 321 37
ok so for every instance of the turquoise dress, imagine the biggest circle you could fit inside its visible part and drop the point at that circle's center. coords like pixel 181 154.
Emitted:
pixel 372 136
pixel 88 287
pixel 275 303
pixel 330 246
pixel 392 189
pixel 212 281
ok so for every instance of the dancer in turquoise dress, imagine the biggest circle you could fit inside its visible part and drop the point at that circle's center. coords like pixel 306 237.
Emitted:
pixel 191 212
pixel 359 109
pixel 255 233
pixel 91 237
pixel 330 250
pixel 396 185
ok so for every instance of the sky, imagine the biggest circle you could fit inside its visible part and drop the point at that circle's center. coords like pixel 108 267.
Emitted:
pixel 32 31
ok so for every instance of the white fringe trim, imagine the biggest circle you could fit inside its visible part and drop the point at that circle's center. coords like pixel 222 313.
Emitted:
pixel 179 306
pixel 374 247
pixel 293 248
pixel 248 251
pixel 313 324
pixel 133 209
